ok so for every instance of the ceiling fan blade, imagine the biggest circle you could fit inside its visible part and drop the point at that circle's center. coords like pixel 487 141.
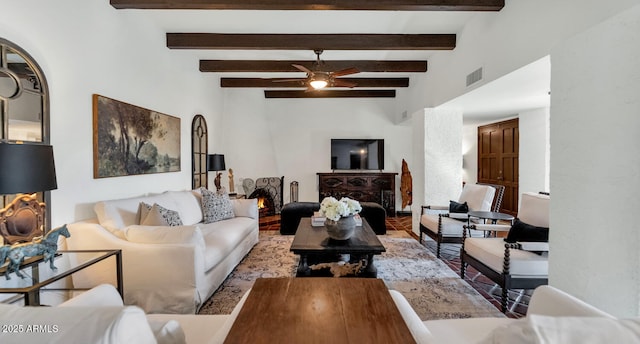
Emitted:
pixel 302 68
pixel 289 80
pixel 344 72
pixel 343 83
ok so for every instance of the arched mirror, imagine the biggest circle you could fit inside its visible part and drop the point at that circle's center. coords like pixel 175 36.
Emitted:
pixel 24 106
pixel 23 95
pixel 199 150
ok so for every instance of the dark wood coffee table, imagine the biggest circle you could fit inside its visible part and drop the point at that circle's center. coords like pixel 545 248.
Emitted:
pixel 315 247
pixel 319 310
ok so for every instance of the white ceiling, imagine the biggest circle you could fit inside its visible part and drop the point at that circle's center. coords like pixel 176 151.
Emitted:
pixel 524 89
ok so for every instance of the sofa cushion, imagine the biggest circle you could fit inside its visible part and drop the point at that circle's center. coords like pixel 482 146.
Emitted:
pixel 215 207
pixel 521 231
pixel 167 332
pixel 450 227
pixel 469 330
pixel 545 329
pixel 160 216
pixel 165 235
pixel 189 206
pixel 245 207
pixel 222 237
pixel 490 251
pixel 77 324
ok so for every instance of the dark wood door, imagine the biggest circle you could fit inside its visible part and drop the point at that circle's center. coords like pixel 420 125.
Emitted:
pixel 498 149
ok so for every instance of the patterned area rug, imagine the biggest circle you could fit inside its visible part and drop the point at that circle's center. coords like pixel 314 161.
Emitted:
pixel 431 287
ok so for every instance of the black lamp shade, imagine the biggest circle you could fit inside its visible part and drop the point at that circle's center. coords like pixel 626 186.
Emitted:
pixel 216 162
pixel 26 168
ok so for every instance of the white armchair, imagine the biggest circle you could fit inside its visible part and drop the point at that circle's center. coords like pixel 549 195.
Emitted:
pixel 445 227
pixel 520 264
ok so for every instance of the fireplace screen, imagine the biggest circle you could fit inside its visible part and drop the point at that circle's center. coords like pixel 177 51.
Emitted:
pixel 271 186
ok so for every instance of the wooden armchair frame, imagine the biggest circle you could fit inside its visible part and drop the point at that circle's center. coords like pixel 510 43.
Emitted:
pixel 503 278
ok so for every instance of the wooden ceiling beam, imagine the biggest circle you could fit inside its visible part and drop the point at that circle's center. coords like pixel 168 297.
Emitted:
pixel 367 5
pixel 299 82
pixel 311 41
pixel 331 66
pixel 332 94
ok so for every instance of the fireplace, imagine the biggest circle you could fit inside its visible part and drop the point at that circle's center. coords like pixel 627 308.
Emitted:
pixel 266 206
pixel 268 191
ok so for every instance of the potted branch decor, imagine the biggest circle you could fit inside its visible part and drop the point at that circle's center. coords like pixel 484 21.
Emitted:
pixel 340 222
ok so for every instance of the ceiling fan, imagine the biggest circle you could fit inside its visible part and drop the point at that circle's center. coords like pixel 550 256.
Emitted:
pixel 318 79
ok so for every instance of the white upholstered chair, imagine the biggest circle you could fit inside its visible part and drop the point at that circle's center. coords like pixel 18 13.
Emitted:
pixel 518 265
pixel 444 227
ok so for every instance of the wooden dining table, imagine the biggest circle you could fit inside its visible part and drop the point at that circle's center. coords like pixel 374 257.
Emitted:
pixel 319 310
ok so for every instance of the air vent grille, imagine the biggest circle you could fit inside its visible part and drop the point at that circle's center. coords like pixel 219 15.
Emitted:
pixel 474 77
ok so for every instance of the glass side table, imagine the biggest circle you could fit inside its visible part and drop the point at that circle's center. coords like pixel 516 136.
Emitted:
pixel 39 274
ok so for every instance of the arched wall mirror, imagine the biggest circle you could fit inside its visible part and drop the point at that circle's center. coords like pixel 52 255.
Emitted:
pixel 199 150
pixel 24 106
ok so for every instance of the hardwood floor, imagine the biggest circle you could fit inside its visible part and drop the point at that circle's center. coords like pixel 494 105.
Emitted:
pixel 450 254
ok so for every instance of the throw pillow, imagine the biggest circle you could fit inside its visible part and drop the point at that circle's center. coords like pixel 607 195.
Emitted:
pixel 455 207
pixel 143 211
pixel 160 216
pixel 216 207
pixel 521 231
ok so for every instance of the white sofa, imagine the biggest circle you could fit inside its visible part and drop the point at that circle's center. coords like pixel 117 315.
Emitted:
pixel 98 316
pixel 165 269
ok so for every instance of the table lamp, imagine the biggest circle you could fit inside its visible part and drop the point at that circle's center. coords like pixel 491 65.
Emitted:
pixel 216 163
pixel 24 168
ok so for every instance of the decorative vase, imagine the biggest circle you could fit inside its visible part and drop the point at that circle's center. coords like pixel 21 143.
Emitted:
pixel 342 229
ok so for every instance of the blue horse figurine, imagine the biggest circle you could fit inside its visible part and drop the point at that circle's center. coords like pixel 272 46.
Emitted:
pixel 47 247
pixel 4 252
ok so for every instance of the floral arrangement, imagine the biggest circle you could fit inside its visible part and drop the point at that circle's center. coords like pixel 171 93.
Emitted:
pixel 333 209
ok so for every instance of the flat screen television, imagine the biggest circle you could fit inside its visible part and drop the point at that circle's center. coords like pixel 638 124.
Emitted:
pixel 357 154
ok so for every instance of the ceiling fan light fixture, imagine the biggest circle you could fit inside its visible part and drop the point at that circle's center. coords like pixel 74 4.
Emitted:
pixel 319 81
pixel 318 84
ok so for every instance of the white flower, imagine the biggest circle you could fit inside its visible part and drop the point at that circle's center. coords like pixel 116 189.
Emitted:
pixel 333 209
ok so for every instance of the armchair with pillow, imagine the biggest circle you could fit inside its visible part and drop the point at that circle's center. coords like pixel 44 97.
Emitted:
pixel 519 261
pixel 444 224
pixel 177 247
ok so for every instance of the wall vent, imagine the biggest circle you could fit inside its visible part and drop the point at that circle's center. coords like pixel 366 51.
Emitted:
pixel 474 77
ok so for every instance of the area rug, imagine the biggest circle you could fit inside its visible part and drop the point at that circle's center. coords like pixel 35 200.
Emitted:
pixel 431 287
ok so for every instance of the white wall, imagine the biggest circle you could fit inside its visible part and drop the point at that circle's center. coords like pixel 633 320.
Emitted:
pixel 522 32
pixel 87 47
pixel 291 137
pixel 595 160
pixel 534 150
pixel 443 156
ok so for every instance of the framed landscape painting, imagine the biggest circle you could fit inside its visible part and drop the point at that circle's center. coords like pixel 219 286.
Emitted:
pixel 130 140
